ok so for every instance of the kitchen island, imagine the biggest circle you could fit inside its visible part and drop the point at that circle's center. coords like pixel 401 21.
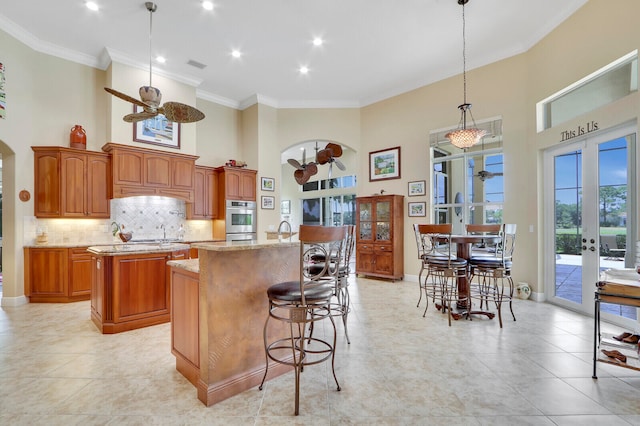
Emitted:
pixel 219 307
pixel 130 284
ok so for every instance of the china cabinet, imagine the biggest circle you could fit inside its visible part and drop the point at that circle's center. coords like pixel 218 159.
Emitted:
pixel 380 236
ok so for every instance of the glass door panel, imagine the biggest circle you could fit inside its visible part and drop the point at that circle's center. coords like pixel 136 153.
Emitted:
pixel 383 209
pixel 589 197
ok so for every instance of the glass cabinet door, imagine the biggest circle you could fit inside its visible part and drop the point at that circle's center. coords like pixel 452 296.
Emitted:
pixel 365 215
pixel 383 210
pixel 365 231
pixel 383 216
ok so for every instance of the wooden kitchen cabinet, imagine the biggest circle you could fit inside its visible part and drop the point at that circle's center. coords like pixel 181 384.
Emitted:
pixel 236 183
pixel 71 183
pixel 57 274
pixel 131 291
pixel 141 171
pixel 380 236
pixel 205 204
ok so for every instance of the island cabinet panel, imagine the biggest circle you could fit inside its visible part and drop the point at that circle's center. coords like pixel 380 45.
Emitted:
pixel 132 290
pixel 57 275
pixel 185 313
pixel 142 171
pixel 71 183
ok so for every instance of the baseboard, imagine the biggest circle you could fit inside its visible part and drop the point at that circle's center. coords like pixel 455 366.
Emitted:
pixel 14 301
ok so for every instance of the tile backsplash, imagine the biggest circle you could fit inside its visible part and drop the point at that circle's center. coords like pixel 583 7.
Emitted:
pixel 149 218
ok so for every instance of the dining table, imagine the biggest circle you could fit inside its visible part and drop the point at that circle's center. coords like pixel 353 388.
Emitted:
pixel 464 243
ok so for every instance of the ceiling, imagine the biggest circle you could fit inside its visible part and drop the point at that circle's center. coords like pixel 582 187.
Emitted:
pixel 373 49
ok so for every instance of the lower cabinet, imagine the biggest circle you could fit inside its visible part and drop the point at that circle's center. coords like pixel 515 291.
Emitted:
pixel 57 275
pixel 185 329
pixel 131 291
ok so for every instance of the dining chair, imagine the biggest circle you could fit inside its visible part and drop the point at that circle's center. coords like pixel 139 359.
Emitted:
pixel 301 304
pixel 493 273
pixel 483 229
pixel 436 252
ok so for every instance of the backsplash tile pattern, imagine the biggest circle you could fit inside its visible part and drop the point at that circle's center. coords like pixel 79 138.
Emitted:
pixel 142 215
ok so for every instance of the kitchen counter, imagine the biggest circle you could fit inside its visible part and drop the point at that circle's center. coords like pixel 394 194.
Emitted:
pixel 128 249
pixel 218 313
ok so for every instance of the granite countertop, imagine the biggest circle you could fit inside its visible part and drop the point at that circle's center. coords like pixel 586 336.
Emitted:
pixel 191 265
pixel 126 249
pixel 244 245
pixel 111 244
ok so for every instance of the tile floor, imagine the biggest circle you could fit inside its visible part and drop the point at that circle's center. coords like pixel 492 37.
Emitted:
pixel 400 369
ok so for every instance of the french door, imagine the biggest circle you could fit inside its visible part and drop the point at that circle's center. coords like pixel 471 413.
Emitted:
pixel 590 192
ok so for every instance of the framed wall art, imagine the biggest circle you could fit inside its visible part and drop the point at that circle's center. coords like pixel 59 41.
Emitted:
pixel 417 187
pixel 156 131
pixel 267 184
pixel 268 202
pixel 384 164
pixel 418 209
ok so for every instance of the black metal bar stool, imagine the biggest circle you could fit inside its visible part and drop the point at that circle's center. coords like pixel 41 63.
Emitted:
pixel 302 303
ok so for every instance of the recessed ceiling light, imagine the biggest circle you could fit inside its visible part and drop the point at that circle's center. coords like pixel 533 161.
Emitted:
pixel 304 70
pixel 207 5
pixel 91 5
pixel 236 53
pixel 161 59
pixel 317 41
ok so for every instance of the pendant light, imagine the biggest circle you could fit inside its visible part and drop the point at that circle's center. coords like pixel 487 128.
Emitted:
pixel 465 137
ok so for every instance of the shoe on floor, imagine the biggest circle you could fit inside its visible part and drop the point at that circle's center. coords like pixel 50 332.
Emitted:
pixel 634 338
pixel 622 336
pixel 615 354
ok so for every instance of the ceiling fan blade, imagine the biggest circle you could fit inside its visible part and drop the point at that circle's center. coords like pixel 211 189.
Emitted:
pixel 295 163
pixel 336 150
pixel 300 176
pixel 139 116
pixel 323 156
pixel 126 97
pixel 340 165
pixel 181 113
pixel 311 168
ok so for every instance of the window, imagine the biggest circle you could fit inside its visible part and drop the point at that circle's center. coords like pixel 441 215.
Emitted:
pixel 610 83
pixel 468 186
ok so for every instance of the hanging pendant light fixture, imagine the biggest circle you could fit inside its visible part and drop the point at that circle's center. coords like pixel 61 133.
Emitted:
pixel 463 137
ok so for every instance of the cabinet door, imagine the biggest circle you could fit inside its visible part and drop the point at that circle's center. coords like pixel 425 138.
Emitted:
pixel 384 259
pixel 365 258
pixel 127 168
pixel 48 274
pixel 80 268
pixel 47 197
pixel 98 181
pixel 196 210
pixel 211 206
pixel 365 224
pixel 232 185
pixel 383 220
pixel 140 287
pixel 73 188
pixel 248 186
pixel 182 174
pixel 157 171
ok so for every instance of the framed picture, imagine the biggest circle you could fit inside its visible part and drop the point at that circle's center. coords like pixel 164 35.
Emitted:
pixel 156 131
pixel 384 164
pixel 417 188
pixel 267 184
pixel 268 202
pixel 417 209
pixel 285 207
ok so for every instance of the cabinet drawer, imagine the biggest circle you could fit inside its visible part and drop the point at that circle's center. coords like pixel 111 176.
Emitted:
pixel 364 248
pixel 383 248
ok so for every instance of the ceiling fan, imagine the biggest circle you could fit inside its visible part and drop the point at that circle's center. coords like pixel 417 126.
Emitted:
pixel 304 170
pixel 150 96
pixel 483 175
pixel 330 155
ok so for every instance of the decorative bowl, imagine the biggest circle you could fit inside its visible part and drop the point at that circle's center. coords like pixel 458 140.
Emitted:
pixel 125 236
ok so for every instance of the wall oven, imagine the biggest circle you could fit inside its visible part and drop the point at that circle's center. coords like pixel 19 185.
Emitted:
pixel 240 220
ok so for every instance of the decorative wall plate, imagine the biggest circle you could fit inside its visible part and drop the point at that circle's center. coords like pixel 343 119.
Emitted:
pixel 24 195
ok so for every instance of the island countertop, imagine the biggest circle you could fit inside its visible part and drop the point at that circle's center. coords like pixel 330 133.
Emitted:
pixel 244 245
pixel 127 249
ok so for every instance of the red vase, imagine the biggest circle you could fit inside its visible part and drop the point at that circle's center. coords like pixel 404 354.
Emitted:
pixel 78 137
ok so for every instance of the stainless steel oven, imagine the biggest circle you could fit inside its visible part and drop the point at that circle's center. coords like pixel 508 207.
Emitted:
pixel 240 217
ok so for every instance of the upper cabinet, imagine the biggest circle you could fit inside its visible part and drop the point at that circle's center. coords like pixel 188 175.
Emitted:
pixel 141 171
pixel 205 205
pixel 71 183
pixel 235 183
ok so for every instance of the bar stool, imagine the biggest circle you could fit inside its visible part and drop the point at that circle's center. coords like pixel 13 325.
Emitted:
pixel 442 266
pixel 495 283
pixel 302 303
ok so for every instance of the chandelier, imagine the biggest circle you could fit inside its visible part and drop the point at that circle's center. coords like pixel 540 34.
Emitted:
pixel 463 137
